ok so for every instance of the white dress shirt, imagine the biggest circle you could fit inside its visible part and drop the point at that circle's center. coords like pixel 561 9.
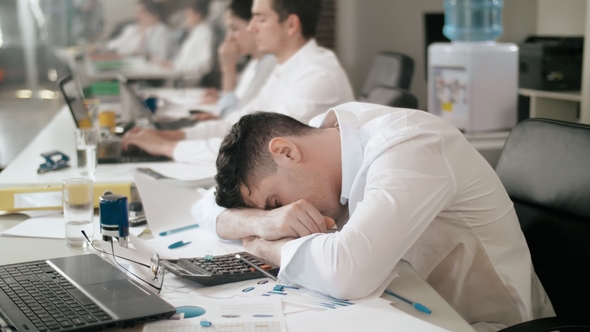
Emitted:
pixel 155 41
pixel 416 190
pixel 306 85
pixel 195 57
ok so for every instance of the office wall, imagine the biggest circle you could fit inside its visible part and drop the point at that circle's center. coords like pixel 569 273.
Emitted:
pixel 366 27
pixel 561 18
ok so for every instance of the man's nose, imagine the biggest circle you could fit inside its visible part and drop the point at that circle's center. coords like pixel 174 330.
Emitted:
pixel 252 26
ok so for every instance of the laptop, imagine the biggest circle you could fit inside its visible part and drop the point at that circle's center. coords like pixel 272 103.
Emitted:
pixel 136 108
pixel 77 293
pixel 74 97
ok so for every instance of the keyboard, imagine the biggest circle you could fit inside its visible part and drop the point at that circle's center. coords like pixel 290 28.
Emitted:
pixel 49 301
pixel 220 269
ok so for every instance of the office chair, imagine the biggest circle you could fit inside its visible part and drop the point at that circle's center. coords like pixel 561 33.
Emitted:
pixel 393 97
pixel 390 69
pixel 545 168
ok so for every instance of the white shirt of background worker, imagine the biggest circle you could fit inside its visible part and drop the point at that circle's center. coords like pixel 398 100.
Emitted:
pixel 414 189
pixel 306 82
pixel 195 57
pixel 148 37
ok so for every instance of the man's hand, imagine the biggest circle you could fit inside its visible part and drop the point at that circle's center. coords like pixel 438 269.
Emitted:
pixel 268 250
pixel 228 54
pixel 290 221
pixel 150 140
pixel 210 96
pixel 294 220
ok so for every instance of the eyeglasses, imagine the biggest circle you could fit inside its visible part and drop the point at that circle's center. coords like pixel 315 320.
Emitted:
pixel 155 268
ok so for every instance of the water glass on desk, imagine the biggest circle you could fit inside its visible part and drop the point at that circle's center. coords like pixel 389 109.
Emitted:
pixel 78 205
pixel 86 142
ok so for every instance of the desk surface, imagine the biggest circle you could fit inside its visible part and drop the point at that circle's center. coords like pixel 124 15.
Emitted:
pixel 408 284
pixel 59 134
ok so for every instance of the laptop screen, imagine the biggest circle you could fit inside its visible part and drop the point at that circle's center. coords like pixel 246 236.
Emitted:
pixel 73 96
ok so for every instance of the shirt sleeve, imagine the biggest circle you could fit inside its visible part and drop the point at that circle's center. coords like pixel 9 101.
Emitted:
pixel 406 188
pixel 206 212
pixel 195 59
pixel 197 151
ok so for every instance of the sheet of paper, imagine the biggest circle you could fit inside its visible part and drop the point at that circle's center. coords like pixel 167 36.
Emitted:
pixel 186 172
pixel 370 315
pixel 52 226
pixel 166 207
pixel 253 315
pixel 201 244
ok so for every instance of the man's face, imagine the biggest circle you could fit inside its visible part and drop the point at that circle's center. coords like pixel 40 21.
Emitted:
pixel 270 33
pixel 288 186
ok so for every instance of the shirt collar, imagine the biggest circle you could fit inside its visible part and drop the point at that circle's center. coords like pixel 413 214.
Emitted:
pixel 301 57
pixel 351 147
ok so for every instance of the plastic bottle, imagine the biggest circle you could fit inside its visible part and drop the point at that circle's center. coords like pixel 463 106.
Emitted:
pixel 473 20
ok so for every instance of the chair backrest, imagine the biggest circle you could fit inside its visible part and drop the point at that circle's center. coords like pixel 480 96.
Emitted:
pixel 545 168
pixel 392 97
pixel 390 69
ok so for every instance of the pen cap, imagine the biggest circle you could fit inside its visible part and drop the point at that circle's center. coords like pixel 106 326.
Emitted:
pixel 114 218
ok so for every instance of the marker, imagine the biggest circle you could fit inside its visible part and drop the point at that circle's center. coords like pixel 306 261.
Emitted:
pixel 178 244
pixel 414 304
pixel 181 229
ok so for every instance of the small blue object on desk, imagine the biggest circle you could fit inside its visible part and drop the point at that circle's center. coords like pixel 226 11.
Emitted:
pixel 178 244
pixel 414 304
pixel 181 229
pixel 205 323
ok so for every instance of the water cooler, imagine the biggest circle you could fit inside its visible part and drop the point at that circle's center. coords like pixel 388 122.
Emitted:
pixel 473 81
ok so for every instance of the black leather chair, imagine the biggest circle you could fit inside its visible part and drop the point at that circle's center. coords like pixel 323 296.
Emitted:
pixel 545 168
pixel 389 69
pixel 393 97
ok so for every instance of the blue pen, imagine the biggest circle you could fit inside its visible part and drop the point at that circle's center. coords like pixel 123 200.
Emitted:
pixel 178 244
pixel 181 229
pixel 414 304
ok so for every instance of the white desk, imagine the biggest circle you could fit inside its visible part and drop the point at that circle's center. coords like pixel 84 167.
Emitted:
pixel 60 129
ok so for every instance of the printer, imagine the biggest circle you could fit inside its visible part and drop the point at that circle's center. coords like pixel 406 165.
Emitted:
pixel 551 63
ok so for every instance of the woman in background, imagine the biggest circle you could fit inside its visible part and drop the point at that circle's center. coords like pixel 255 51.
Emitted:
pixel 239 42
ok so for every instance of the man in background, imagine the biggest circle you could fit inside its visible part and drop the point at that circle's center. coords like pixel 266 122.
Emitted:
pixel 307 80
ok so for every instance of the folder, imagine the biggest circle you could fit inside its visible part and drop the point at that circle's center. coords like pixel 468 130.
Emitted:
pixel 49 197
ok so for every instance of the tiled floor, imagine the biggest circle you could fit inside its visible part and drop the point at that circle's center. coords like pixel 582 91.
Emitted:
pixel 21 120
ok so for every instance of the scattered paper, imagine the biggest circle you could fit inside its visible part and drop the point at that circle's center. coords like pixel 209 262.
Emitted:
pixel 370 315
pixel 166 207
pixel 254 315
pixel 52 226
pixel 186 172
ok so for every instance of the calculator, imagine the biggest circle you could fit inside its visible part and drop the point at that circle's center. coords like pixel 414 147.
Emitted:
pixel 217 270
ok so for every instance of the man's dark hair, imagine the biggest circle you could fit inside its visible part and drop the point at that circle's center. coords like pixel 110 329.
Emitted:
pixel 202 7
pixel 153 8
pixel 308 12
pixel 241 9
pixel 244 156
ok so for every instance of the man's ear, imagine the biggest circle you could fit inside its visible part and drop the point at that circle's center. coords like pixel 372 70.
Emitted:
pixel 285 150
pixel 293 24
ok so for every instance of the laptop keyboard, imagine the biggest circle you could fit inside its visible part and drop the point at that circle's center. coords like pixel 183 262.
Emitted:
pixel 48 299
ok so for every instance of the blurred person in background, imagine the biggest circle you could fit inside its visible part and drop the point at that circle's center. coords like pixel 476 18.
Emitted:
pixel 239 88
pixel 148 37
pixel 195 57
pixel 88 20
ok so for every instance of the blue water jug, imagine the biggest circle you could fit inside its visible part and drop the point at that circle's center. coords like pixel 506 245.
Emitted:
pixel 473 20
